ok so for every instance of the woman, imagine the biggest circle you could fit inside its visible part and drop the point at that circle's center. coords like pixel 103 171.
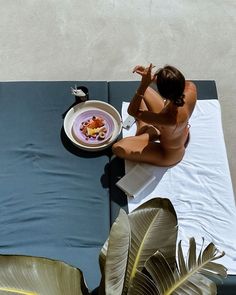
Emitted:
pixel 162 118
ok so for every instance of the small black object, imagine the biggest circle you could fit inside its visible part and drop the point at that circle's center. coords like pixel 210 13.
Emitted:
pixel 82 95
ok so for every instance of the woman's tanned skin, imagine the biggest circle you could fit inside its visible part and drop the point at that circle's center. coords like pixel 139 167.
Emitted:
pixel 162 126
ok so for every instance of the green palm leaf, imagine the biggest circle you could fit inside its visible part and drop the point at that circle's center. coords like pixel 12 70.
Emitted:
pixel 189 278
pixel 102 257
pixel 114 255
pixel 142 284
pixel 33 276
pixel 153 226
pixel 160 271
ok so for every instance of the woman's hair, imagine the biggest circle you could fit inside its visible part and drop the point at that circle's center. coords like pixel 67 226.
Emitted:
pixel 170 84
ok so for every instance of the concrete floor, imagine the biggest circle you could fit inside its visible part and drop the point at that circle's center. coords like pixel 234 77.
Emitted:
pixel 104 39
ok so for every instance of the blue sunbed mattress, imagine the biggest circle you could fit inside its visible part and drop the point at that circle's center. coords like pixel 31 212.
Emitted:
pixel 53 202
pixel 58 201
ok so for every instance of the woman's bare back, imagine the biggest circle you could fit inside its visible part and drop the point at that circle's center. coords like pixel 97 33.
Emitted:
pixel 174 129
pixel 175 134
pixel 162 130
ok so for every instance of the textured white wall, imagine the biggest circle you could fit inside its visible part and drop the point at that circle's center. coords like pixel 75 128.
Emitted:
pixel 104 39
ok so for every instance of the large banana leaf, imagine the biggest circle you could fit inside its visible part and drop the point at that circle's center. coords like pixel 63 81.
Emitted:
pixel 102 257
pixel 27 275
pixel 142 285
pixel 114 255
pixel 153 227
pixel 189 278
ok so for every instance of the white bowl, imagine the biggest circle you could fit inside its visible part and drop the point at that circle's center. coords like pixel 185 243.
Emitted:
pixel 90 105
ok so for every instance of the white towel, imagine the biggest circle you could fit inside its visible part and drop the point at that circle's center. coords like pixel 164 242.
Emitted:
pixel 200 186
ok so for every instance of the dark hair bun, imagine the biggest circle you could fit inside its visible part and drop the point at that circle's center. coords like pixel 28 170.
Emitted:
pixel 170 84
pixel 179 102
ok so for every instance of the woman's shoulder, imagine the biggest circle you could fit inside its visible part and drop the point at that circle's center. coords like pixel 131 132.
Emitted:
pixel 190 86
pixel 190 96
pixel 190 91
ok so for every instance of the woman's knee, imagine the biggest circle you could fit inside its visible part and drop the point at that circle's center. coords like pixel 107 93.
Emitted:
pixel 148 91
pixel 154 100
pixel 118 150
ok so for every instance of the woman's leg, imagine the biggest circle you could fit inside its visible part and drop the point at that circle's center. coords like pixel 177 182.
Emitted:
pixel 139 149
pixel 134 148
pixel 153 102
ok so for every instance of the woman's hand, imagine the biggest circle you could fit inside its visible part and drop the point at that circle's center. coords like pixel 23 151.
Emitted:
pixel 139 69
pixel 146 73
